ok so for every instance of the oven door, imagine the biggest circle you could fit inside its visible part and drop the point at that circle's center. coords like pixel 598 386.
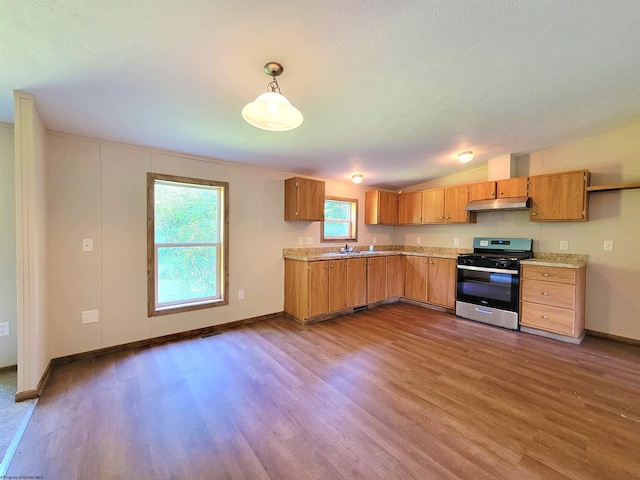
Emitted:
pixel 489 287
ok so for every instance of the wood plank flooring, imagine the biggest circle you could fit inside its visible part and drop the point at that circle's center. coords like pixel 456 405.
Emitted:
pixel 395 392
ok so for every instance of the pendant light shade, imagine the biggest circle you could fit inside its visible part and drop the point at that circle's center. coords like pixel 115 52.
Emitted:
pixel 271 110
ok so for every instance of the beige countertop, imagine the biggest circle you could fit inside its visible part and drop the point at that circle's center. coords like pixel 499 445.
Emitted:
pixel 329 253
pixel 564 260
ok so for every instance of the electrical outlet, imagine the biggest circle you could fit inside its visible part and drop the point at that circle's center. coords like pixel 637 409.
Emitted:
pixel 418 240
pixel 300 241
pixel 90 316
pixel 87 245
pixel 240 294
pixel 608 245
pixel 4 329
pixel 309 240
pixel 564 245
pixel 375 240
pixel 456 242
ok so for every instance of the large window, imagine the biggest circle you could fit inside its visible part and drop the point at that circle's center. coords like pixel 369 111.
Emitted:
pixel 187 243
pixel 340 220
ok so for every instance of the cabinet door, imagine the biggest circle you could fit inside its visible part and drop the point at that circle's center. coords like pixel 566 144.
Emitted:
pixel 381 208
pixel 376 279
pixel 303 199
pixel 559 197
pixel 415 279
pixel 442 282
pixel 310 199
pixel 356 282
pixel 482 191
pixel 388 208
pixel 395 276
pixel 337 285
pixel 433 206
pixel 318 288
pixel 513 187
pixel 410 208
pixel 455 199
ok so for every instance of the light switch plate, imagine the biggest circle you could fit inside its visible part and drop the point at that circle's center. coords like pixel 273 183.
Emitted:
pixel 4 329
pixel 309 240
pixel 375 240
pixel 456 242
pixel 240 294
pixel 300 241
pixel 608 245
pixel 564 245
pixel 418 240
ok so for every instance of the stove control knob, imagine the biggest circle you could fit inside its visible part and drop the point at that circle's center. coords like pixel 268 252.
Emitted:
pixel 506 264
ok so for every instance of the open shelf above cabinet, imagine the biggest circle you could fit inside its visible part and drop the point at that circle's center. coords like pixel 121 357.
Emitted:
pixel 616 186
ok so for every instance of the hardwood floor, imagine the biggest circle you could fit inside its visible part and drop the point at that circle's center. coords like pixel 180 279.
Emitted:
pixel 394 392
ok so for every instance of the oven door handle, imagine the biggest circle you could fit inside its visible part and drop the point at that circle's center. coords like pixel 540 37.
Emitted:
pixel 485 269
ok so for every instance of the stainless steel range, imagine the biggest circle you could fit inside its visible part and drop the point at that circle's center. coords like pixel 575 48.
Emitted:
pixel 488 280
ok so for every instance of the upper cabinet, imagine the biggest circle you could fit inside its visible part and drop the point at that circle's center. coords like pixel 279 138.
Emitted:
pixel 433 206
pixel 455 199
pixel 303 200
pixel 410 208
pixel 559 197
pixel 512 187
pixel 482 191
pixel 381 208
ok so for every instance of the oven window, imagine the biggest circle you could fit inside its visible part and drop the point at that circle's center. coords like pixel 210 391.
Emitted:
pixel 496 289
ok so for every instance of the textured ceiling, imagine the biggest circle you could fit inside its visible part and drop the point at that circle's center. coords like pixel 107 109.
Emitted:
pixel 393 90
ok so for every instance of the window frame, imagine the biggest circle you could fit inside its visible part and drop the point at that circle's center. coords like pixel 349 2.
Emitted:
pixel 353 236
pixel 222 275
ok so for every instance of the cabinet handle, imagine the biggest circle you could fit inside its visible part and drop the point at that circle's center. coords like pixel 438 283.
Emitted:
pixel 430 263
pixel 326 267
pixel 545 317
pixel 446 217
pixel 501 193
pixel 546 294
pixel 493 194
pixel 533 214
pixel 440 218
pixel 545 274
pixel 332 266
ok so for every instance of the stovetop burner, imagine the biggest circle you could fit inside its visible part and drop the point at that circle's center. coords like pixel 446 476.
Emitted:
pixel 501 253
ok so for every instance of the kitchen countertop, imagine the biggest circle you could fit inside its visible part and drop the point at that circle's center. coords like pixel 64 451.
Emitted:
pixel 564 260
pixel 329 253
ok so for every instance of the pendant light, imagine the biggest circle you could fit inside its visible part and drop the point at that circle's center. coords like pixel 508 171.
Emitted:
pixel 271 110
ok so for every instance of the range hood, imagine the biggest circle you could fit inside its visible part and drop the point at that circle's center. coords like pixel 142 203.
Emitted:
pixel 499 205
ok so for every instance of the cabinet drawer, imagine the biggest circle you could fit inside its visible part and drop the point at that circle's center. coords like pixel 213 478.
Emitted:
pixel 547 293
pixel 552 319
pixel 549 274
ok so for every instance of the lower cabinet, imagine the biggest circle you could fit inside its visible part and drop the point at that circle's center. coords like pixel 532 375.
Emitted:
pixel 317 288
pixel 441 282
pixel 415 278
pixel 552 299
pixel 376 279
pixel 395 276
pixel 356 282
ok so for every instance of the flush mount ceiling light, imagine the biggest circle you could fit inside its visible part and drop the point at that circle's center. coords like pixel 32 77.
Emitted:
pixel 357 178
pixel 465 157
pixel 272 111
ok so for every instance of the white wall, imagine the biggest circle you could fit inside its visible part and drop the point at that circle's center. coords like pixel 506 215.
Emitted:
pixel 31 150
pixel 613 278
pixel 98 190
pixel 8 344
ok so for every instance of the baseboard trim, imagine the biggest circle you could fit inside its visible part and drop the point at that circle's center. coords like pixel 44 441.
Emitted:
pixel 31 394
pixel 615 338
pixel 149 342
pixel 427 305
pixel 8 368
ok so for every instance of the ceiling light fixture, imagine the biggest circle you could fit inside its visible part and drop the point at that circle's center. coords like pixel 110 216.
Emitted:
pixel 357 178
pixel 271 110
pixel 465 157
